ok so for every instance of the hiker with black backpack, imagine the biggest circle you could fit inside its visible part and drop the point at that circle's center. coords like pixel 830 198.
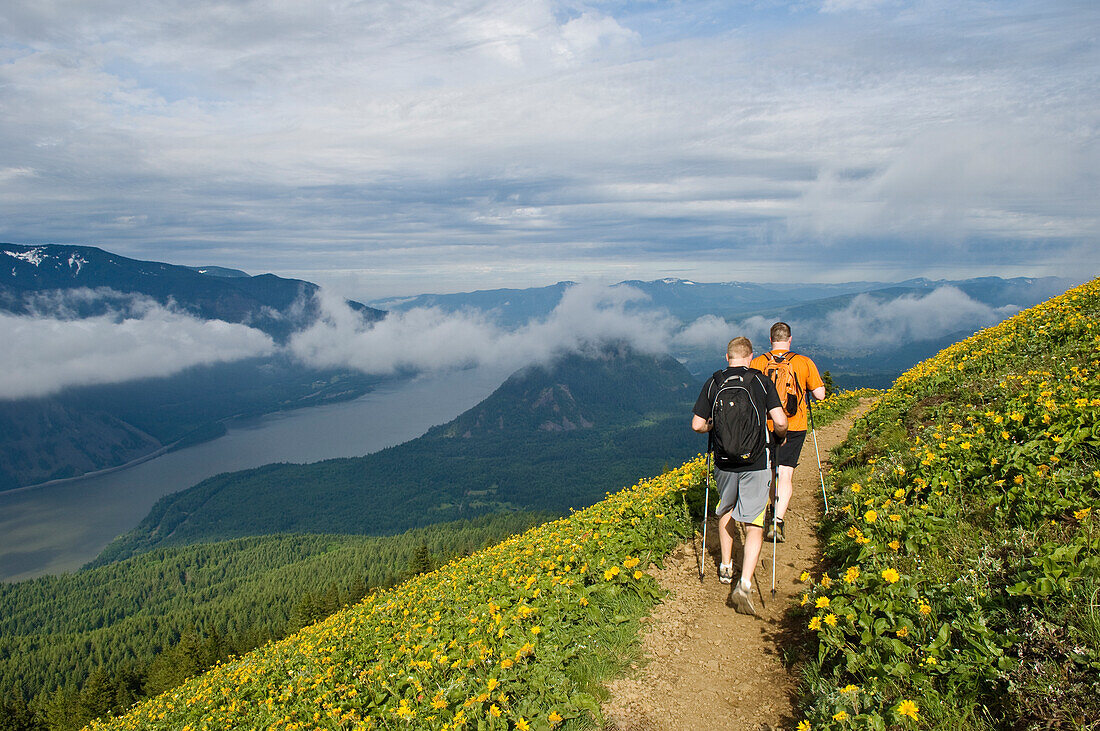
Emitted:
pixel 733 411
pixel 794 376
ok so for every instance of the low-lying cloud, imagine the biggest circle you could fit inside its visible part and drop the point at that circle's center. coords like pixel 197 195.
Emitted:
pixel 869 321
pixel 947 310
pixel 56 348
pixel 135 338
pixel 429 339
pixel 591 315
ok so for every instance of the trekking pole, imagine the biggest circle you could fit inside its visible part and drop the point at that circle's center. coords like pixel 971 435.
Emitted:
pixel 775 520
pixel 810 404
pixel 706 509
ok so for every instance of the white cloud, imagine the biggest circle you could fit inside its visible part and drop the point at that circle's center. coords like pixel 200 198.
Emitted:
pixel 708 331
pixel 427 339
pixel 869 322
pixel 138 338
pixel 590 315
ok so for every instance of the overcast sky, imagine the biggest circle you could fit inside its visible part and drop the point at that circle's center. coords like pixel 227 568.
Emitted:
pixel 411 146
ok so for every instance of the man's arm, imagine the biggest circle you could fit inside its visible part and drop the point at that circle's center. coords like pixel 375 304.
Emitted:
pixel 813 382
pixel 779 422
pixel 700 424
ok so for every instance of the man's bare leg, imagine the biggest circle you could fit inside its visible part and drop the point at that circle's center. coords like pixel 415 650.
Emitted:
pixel 754 540
pixel 725 536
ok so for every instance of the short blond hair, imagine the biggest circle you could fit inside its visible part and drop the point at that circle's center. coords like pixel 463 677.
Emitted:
pixel 739 347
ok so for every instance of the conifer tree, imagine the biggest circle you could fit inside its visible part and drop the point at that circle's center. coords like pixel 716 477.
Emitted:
pixel 421 562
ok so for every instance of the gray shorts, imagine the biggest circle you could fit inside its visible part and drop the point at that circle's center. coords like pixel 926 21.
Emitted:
pixel 745 494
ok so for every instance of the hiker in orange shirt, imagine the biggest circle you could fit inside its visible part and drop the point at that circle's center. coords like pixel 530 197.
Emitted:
pixel 794 376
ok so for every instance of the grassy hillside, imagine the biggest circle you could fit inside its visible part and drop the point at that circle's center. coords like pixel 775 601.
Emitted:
pixel 516 636
pixel 962 588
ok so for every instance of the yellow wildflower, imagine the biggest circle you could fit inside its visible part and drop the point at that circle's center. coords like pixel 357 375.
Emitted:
pixel 891 575
pixel 907 708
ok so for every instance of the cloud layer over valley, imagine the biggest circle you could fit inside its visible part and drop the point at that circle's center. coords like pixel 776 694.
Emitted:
pixel 136 338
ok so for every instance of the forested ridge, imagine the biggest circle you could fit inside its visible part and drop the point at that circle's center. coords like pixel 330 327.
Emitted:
pixel 79 645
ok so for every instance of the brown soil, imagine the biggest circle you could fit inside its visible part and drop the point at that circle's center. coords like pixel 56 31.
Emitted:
pixel 705 666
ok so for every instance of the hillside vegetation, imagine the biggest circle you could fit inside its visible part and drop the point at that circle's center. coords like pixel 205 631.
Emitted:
pixel 515 636
pixel 963 553
pixel 75 646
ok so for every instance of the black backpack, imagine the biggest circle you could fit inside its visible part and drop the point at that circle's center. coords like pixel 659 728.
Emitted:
pixel 738 436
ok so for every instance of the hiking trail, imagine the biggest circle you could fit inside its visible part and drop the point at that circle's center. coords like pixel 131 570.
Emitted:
pixel 703 665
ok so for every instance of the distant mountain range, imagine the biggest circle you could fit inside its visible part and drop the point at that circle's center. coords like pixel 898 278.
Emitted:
pixel 689 300
pixel 549 438
pixel 275 305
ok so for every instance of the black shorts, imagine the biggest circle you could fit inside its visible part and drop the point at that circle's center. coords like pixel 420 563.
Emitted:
pixel 786 454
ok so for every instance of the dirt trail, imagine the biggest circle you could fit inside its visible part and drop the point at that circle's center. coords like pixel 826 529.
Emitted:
pixel 705 666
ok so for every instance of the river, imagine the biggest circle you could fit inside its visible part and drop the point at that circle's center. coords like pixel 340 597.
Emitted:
pixel 59 527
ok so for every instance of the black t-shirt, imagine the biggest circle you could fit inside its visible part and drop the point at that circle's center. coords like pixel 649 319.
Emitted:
pixel 765 398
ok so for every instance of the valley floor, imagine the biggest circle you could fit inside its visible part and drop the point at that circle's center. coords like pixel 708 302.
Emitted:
pixel 706 667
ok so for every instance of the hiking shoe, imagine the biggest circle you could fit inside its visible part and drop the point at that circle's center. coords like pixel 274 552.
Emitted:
pixel 774 530
pixel 725 573
pixel 741 600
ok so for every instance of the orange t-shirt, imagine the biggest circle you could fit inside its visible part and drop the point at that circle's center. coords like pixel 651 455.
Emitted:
pixel 806 372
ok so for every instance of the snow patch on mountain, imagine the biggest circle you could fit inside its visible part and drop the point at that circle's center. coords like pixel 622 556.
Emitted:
pixel 31 256
pixel 78 261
